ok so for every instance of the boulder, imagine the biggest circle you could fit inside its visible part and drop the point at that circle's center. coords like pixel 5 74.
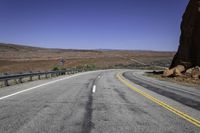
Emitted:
pixel 176 71
pixel 193 72
pixel 196 72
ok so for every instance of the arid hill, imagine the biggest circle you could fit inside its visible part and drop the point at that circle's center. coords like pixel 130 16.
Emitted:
pixel 19 58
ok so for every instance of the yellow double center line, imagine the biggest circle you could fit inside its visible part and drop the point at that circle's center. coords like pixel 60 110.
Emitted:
pixel 166 106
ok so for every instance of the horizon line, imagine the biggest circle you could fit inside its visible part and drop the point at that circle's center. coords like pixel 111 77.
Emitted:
pixel 97 49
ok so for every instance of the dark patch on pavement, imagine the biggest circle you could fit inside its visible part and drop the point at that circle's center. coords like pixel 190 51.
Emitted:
pixel 133 108
pixel 101 107
pixel 4 117
pixel 87 121
pixel 121 94
pixel 107 88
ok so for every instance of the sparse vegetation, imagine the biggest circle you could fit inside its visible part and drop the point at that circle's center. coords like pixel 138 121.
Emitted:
pixel 15 58
pixel 86 67
pixel 55 68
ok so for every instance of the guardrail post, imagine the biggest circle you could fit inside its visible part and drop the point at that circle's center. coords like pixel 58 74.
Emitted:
pixel 6 81
pixel 39 75
pixel 46 75
pixel 31 77
pixel 57 73
pixel 20 80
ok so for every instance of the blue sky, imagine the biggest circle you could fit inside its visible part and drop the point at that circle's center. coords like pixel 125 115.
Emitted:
pixel 93 24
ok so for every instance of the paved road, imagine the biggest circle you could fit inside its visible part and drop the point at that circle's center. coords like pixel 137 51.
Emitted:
pixel 72 104
pixel 185 95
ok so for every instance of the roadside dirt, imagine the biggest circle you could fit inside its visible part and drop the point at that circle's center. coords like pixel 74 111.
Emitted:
pixel 183 79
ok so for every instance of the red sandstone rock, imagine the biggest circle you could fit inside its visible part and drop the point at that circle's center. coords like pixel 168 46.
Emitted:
pixel 189 49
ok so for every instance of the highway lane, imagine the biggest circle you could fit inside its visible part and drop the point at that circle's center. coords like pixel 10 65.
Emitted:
pixel 71 105
pixel 186 95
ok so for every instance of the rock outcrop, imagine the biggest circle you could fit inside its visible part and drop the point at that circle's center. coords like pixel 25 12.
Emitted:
pixel 188 53
pixel 187 58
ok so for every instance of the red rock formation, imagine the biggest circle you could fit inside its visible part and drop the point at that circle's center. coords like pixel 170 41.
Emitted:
pixel 188 53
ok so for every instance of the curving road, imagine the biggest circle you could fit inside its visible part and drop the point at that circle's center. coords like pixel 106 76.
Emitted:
pixel 98 102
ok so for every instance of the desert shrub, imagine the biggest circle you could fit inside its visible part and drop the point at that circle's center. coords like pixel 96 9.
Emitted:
pixel 90 67
pixel 55 68
pixel 87 67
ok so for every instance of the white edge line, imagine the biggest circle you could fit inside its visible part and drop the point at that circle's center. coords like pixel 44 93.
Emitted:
pixel 51 82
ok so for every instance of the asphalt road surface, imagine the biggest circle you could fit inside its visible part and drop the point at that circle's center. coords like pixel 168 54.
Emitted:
pixel 99 102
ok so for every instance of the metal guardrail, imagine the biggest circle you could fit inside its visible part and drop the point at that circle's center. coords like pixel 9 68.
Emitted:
pixel 5 78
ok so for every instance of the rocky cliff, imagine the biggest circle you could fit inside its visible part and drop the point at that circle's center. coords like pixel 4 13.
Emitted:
pixel 188 53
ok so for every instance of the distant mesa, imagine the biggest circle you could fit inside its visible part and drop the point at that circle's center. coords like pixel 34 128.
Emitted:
pixel 5 47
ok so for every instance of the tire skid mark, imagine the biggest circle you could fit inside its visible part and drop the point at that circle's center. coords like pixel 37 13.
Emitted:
pixel 87 120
